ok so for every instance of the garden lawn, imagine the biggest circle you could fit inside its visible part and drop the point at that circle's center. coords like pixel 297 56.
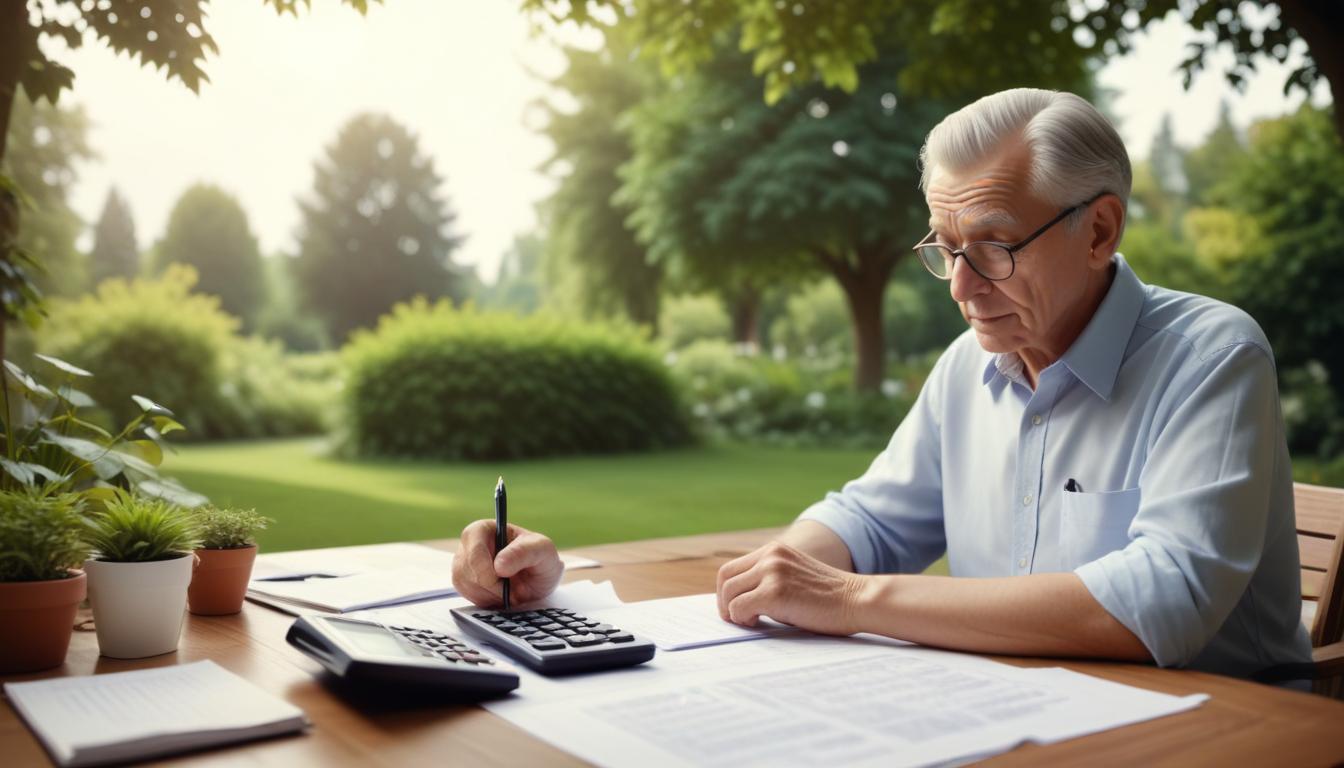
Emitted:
pixel 319 501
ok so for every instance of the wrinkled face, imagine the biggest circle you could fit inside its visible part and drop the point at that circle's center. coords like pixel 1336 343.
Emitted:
pixel 1032 310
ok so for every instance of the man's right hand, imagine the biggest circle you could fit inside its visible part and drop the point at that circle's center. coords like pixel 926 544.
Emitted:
pixel 530 562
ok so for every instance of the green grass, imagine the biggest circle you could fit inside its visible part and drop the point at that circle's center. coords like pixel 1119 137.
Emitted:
pixel 319 501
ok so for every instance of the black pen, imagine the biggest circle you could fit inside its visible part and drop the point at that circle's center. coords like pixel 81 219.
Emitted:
pixel 502 529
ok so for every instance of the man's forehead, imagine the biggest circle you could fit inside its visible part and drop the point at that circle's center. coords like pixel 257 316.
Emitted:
pixel 984 197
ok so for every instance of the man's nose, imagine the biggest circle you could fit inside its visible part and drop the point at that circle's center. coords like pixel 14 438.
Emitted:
pixel 966 283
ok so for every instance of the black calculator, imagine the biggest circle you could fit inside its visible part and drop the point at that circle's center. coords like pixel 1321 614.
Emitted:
pixel 369 653
pixel 555 640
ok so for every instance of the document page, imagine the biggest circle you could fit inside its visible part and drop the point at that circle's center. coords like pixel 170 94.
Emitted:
pixel 808 700
pixel 368 558
pixel 129 715
pixel 678 623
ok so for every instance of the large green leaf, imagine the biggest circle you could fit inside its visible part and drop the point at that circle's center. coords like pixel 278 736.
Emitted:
pixel 63 366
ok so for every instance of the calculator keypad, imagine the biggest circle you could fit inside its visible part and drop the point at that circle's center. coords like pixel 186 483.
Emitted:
pixel 443 646
pixel 553 629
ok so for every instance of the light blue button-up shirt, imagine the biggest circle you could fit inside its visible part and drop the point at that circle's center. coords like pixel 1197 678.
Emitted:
pixel 1166 412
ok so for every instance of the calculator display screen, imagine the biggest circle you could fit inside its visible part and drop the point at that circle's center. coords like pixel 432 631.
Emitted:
pixel 374 640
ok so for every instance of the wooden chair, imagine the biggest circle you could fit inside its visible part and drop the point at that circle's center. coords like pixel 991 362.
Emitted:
pixel 1320 540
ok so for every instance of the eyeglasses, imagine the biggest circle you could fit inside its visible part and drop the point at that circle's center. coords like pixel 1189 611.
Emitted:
pixel 990 260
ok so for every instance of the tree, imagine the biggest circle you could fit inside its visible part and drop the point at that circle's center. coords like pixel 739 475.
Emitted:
pixel 957 45
pixel 724 185
pixel 1290 184
pixel 375 230
pixel 166 35
pixel 517 287
pixel 115 253
pixel 208 229
pixel 591 256
pixel 1208 163
pixel 47 142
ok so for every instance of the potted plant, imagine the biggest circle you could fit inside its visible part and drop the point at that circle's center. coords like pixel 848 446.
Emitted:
pixel 41 544
pixel 228 549
pixel 138 574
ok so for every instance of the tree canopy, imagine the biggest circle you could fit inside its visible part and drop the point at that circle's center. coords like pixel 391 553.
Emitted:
pixel 375 230
pixel 208 229
pixel 956 45
pixel 115 252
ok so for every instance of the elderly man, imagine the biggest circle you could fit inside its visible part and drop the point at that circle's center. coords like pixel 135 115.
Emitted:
pixel 1102 461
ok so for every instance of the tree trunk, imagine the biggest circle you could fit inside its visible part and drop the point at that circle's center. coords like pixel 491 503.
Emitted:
pixel 865 287
pixel 746 315
pixel 1320 23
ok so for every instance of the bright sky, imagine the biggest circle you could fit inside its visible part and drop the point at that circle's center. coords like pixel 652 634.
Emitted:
pixel 461 75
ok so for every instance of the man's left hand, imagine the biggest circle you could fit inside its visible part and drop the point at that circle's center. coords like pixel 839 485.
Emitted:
pixel 792 587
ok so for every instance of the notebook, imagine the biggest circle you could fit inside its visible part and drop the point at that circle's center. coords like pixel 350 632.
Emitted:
pixel 125 716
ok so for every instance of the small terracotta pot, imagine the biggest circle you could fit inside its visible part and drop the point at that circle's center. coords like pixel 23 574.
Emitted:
pixel 36 619
pixel 220 582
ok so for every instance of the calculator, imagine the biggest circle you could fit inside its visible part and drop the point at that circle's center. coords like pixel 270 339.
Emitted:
pixel 367 652
pixel 555 640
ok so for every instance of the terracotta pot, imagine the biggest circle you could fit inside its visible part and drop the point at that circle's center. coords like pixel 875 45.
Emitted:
pixel 220 582
pixel 138 607
pixel 36 619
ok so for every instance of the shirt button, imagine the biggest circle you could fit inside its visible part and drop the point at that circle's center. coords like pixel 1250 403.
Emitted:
pixel 1036 419
pixel 1026 500
pixel 1022 562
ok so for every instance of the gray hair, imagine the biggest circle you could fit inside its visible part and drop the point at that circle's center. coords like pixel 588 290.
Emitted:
pixel 1075 152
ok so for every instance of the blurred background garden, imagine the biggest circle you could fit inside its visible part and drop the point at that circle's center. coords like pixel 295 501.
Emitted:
pixel 650 260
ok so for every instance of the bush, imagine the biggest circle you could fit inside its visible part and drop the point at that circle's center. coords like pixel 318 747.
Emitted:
pixel 158 339
pixel 432 381
pixel 803 402
pixel 688 319
pixel 229 527
pixel 148 337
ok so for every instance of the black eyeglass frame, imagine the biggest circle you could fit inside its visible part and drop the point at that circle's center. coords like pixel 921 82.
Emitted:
pixel 1011 249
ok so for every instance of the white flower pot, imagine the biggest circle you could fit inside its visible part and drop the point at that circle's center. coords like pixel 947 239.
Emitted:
pixel 138 607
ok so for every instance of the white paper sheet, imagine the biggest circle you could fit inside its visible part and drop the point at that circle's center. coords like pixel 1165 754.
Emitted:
pixel 680 623
pixel 437 614
pixel 368 558
pixel 365 590
pixel 810 700
pixel 91 719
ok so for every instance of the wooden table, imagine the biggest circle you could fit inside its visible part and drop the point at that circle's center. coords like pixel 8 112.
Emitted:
pixel 1243 724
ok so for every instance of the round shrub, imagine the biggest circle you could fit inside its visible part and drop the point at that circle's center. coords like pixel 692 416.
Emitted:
pixel 433 381
pixel 146 337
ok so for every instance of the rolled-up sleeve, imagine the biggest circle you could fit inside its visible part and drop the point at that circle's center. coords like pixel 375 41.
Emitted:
pixel 1200 529
pixel 891 518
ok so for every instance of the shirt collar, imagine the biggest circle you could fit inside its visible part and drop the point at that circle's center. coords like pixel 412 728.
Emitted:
pixel 1097 353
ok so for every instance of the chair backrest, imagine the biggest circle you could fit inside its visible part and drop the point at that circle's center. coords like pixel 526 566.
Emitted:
pixel 1320 540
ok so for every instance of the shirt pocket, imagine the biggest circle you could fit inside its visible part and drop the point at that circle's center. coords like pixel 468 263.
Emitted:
pixel 1094 524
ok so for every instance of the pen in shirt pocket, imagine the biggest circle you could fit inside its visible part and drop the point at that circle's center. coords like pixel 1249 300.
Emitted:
pixel 1073 486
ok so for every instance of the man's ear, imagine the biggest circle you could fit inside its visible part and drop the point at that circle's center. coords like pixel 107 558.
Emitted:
pixel 1108 217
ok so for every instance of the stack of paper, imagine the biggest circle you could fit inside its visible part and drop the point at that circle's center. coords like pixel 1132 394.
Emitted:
pixel 680 623
pixel 132 716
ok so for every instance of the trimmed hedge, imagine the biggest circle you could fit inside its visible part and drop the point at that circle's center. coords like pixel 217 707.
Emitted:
pixel 436 382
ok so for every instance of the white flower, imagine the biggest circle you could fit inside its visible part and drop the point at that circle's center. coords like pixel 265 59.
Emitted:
pixel 892 388
pixel 815 400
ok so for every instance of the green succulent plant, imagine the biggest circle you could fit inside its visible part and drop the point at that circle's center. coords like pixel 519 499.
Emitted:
pixel 229 527
pixel 41 535
pixel 137 529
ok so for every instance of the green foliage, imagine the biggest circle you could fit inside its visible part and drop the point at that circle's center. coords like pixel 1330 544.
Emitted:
pixel 518 286
pixel 1290 185
pixel 50 442
pixel 115 253
pixel 152 337
pixel 1209 163
pixel 592 260
pixel 229 527
pixel 282 318
pixel 955 46
pixel 41 535
pixel 1311 411
pixel 375 230
pixel 135 529
pixel 755 398
pixel 687 319
pixel 208 230
pixel 45 145
pixel 157 338
pixel 432 381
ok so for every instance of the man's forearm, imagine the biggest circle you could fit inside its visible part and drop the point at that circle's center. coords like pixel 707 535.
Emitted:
pixel 815 539
pixel 1048 614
